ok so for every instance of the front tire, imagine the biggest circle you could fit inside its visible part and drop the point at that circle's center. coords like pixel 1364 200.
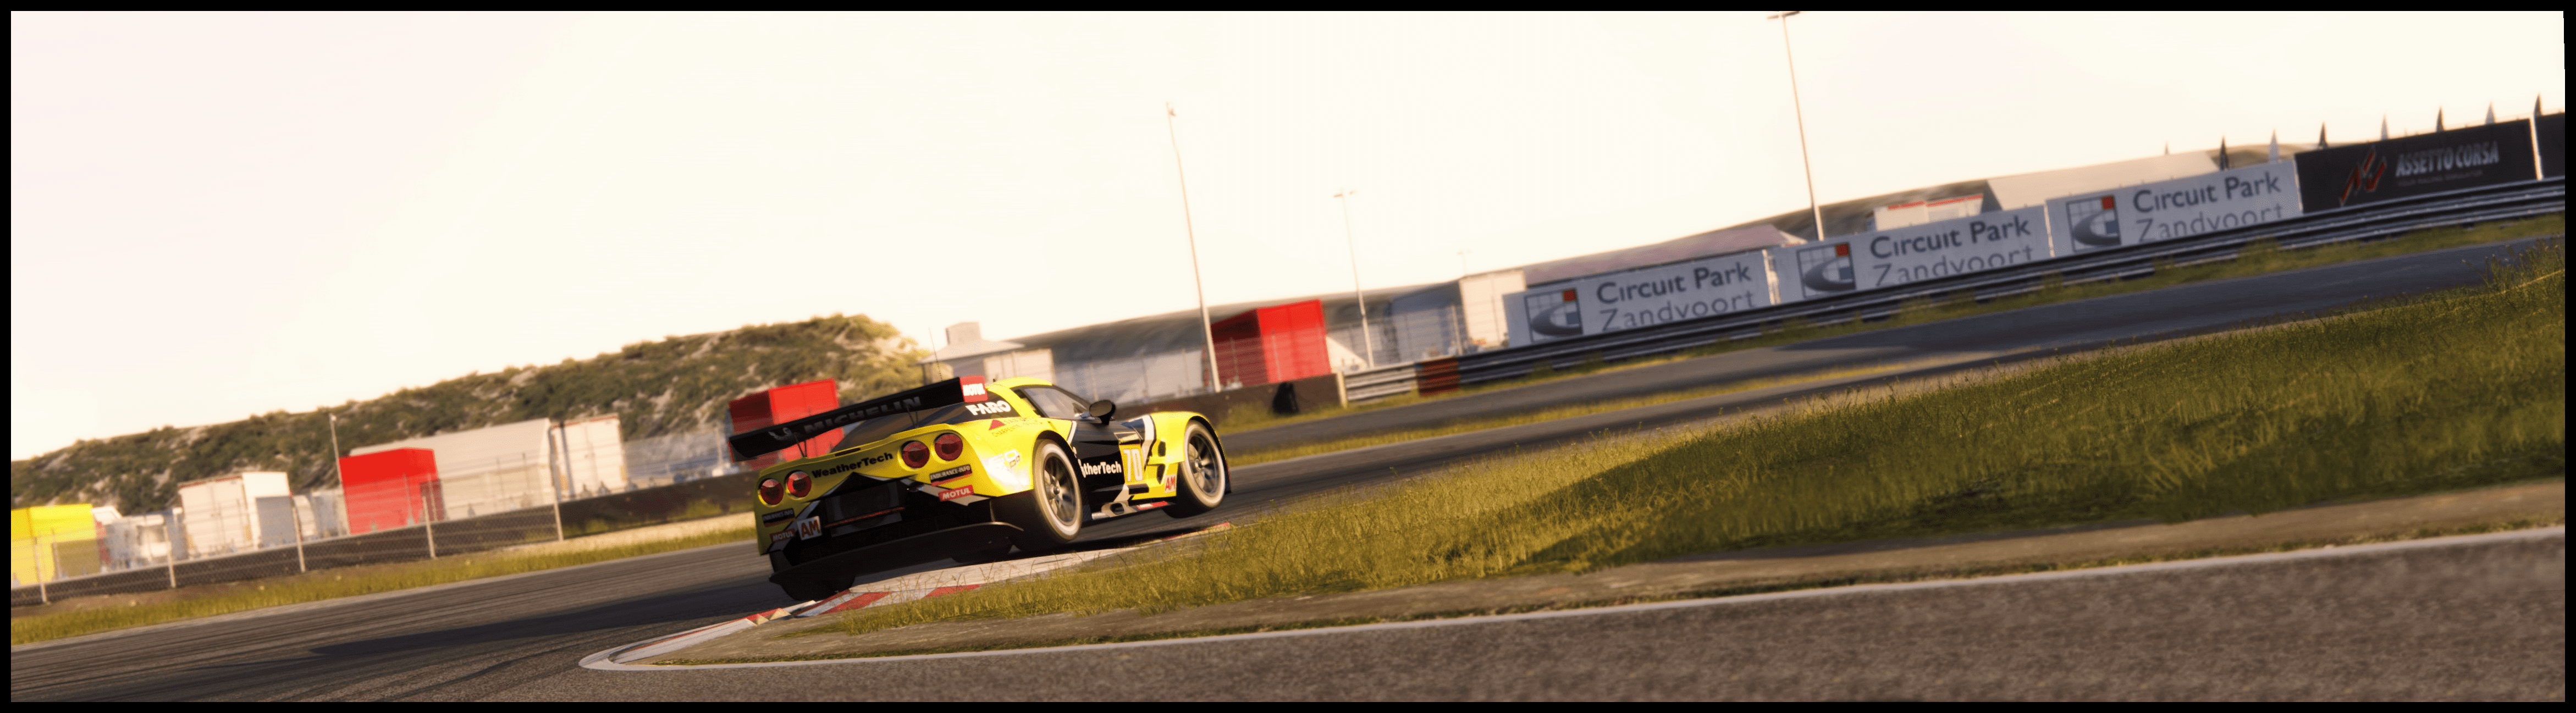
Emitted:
pixel 1203 480
pixel 1050 514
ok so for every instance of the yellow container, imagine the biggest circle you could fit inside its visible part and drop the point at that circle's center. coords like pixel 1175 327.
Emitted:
pixel 49 542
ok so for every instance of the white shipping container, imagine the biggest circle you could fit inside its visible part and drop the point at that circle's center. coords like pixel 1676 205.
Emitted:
pixel 218 512
pixel 1480 302
pixel 594 459
pixel 488 470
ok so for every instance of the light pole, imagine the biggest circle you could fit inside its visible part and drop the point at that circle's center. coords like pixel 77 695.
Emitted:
pixel 1796 106
pixel 1215 381
pixel 1367 341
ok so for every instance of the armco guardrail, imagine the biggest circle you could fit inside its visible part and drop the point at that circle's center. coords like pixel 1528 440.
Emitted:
pixel 1379 383
pixel 2319 228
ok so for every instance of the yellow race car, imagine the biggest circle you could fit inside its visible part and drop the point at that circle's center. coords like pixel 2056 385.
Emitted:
pixel 964 469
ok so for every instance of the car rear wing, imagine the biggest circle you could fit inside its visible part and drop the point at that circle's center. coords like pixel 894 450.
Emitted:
pixel 763 441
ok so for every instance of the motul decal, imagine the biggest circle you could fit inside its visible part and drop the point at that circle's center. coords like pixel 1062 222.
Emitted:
pixel 955 494
pixel 973 388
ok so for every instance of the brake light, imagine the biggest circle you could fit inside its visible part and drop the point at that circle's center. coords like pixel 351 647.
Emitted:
pixel 799 483
pixel 771 491
pixel 949 445
pixel 915 455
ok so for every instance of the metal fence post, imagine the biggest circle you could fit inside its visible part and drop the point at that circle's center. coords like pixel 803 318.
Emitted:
pixel 429 531
pixel 558 485
pixel 298 517
pixel 170 533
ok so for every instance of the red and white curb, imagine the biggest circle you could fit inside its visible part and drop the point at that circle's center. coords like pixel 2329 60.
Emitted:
pixel 946 581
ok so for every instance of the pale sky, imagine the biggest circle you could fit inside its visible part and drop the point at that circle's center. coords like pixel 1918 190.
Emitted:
pixel 217 215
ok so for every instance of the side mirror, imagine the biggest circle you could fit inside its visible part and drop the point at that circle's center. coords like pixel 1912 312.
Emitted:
pixel 1101 409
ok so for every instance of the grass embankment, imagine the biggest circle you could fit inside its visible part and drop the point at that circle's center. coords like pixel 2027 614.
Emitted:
pixel 1541 416
pixel 2260 258
pixel 2451 390
pixel 111 612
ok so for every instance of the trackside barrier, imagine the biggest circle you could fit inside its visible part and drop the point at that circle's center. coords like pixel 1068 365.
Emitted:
pixel 2376 220
pixel 1379 383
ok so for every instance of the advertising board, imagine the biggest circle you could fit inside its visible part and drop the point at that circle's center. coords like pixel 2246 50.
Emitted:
pixel 1958 246
pixel 1814 270
pixel 2415 165
pixel 1641 297
pixel 2182 207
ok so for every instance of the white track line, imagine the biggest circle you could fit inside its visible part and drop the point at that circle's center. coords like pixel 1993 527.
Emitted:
pixel 600 661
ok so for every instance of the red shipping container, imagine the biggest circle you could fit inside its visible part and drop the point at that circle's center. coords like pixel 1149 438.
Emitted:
pixel 389 489
pixel 784 404
pixel 1272 344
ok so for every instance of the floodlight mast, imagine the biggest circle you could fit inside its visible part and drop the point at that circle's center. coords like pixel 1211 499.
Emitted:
pixel 1216 382
pixel 1815 211
pixel 1368 341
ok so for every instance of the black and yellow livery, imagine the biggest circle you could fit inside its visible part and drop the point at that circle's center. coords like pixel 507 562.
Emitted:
pixel 966 469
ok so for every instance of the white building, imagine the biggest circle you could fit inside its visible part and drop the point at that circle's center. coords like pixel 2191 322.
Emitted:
pixel 521 465
pixel 235 513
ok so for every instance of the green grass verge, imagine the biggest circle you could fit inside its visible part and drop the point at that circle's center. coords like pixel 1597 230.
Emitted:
pixel 329 584
pixel 2257 259
pixel 2443 391
pixel 1583 409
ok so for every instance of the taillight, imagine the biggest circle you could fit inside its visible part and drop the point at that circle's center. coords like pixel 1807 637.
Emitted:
pixel 771 491
pixel 949 445
pixel 915 455
pixel 799 483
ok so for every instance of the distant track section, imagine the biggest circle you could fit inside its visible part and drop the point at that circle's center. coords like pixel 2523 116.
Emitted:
pixel 2373 220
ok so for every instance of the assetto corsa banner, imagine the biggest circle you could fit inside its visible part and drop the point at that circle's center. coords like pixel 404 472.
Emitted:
pixel 2415 165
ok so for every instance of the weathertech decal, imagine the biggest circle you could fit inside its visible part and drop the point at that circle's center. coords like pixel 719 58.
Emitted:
pixel 1104 467
pixel 862 462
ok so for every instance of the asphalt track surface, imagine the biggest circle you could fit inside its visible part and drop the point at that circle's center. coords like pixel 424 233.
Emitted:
pixel 523 636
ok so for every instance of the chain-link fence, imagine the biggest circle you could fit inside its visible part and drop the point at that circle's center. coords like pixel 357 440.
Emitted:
pixel 153 552
pixel 676 458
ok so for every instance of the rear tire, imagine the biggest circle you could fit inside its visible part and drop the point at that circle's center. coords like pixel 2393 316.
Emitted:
pixel 1050 514
pixel 1203 481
